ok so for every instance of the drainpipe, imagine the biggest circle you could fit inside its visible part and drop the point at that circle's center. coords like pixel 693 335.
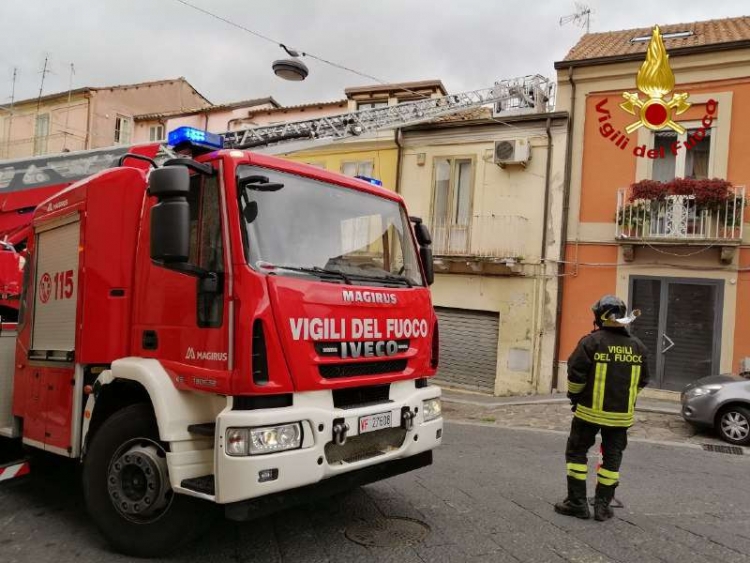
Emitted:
pixel 398 160
pixel 564 226
pixel 543 254
pixel 87 141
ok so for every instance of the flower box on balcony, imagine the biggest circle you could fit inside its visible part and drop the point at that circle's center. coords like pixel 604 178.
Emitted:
pixel 681 210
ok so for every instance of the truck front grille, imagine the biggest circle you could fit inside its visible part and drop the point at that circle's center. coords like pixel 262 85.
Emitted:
pixel 355 369
pixel 352 397
pixel 365 446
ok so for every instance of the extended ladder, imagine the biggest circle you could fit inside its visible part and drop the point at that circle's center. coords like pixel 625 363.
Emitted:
pixel 526 94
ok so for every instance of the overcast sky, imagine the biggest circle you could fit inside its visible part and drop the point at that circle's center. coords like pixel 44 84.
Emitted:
pixel 468 44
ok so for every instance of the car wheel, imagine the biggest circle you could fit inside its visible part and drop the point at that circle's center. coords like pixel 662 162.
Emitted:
pixel 733 425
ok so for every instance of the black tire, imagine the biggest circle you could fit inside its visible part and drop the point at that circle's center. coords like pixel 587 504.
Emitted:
pixel 180 520
pixel 733 425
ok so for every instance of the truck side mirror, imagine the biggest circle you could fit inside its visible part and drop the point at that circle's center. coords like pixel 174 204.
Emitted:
pixel 424 238
pixel 170 217
pixel 423 234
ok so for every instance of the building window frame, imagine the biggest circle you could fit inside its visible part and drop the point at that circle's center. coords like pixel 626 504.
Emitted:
pixel 372 104
pixel 361 167
pixel 449 227
pixel 123 129
pixel 681 157
pixel 156 133
pixel 41 137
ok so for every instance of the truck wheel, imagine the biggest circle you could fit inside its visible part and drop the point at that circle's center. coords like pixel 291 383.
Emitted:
pixel 733 424
pixel 127 489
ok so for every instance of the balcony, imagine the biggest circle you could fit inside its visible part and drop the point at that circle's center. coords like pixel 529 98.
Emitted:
pixel 485 244
pixel 679 219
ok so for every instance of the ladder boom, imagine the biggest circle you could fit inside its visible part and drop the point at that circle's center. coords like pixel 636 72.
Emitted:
pixel 532 93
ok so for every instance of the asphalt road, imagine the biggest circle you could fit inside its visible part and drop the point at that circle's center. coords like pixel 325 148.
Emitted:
pixel 487 497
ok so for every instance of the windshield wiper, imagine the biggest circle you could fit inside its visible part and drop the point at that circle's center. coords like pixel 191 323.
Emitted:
pixel 384 277
pixel 318 271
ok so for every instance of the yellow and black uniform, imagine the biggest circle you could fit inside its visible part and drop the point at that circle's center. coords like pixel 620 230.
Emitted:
pixel 606 372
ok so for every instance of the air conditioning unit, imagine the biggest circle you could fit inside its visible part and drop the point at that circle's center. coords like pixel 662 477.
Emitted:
pixel 514 151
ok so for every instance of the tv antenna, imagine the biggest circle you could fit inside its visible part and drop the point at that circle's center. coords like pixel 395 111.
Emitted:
pixel 581 17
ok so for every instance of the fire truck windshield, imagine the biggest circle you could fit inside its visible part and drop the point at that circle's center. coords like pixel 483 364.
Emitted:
pixel 300 226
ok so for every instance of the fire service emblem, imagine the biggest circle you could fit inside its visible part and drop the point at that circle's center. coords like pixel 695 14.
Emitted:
pixel 655 80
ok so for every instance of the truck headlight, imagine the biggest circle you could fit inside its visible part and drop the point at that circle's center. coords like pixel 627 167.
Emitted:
pixel 704 390
pixel 431 409
pixel 264 440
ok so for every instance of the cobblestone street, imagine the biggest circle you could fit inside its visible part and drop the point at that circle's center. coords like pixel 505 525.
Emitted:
pixel 653 426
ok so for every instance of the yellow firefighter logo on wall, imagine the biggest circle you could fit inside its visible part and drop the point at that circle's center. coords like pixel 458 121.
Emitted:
pixel 655 80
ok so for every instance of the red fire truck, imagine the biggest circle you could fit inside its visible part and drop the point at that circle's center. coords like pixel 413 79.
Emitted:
pixel 227 329
pixel 24 184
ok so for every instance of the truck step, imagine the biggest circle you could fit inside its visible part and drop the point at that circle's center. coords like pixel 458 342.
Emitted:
pixel 205 429
pixel 203 484
pixel 14 469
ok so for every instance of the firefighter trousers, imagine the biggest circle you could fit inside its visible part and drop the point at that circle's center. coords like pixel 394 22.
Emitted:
pixel 582 437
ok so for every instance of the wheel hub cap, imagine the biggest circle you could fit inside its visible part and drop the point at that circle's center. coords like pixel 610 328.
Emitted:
pixel 137 481
pixel 735 425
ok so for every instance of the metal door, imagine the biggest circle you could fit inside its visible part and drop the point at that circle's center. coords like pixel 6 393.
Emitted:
pixel 680 323
pixel 468 348
pixel 56 284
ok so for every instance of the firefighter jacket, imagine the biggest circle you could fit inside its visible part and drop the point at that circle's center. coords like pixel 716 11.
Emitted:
pixel 606 372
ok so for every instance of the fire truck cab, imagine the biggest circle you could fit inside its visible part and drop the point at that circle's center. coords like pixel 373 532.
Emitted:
pixel 227 329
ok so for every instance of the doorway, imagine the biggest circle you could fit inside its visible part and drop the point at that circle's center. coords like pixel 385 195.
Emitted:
pixel 680 323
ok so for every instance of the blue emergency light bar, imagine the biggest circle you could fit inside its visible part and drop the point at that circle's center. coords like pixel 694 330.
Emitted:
pixel 196 137
pixel 373 181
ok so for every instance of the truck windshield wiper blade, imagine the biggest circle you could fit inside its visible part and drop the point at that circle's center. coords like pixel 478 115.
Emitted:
pixel 312 270
pixel 383 277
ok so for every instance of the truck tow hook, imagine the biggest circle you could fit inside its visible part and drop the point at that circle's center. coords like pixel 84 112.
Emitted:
pixel 407 418
pixel 339 433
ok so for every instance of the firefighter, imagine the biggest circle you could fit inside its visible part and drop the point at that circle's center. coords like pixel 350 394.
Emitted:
pixel 606 372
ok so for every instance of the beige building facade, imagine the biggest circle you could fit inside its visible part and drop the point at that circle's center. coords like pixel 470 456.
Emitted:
pixel 495 217
pixel 88 118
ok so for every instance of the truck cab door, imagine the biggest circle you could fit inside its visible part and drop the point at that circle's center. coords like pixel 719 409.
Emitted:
pixel 181 312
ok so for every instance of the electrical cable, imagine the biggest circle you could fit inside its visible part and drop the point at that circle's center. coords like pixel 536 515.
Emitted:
pixel 318 58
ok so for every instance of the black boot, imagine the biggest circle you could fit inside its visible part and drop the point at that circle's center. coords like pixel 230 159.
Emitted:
pixel 602 509
pixel 575 504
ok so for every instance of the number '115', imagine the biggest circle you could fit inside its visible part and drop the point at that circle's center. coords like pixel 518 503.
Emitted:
pixel 63 282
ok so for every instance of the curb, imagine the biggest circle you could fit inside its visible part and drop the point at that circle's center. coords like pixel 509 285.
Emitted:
pixel 518 403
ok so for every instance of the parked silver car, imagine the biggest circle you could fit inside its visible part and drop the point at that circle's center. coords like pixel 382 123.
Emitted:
pixel 721 402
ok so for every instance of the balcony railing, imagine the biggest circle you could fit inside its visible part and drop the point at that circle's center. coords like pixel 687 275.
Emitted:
pixel 677 218
pixel 482 236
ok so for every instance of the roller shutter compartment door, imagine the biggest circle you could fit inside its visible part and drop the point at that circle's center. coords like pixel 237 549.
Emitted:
pixel 56 289
pixel 468 348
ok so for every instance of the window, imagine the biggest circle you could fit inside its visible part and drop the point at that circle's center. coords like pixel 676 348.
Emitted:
pixel 156 133
pixel 206 247
pixel 451 208
pixel 358 168
pixel 371 105
pixel 692 158
pixel 123 127
pixel 41 133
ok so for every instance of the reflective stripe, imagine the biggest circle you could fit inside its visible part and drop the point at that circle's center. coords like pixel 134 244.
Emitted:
pixel 576 475
pixel 575 387
pixel 605 481
pixel 635 376
pixel 580 467
pixel 604 418
pixel 600 379
pixel 607 473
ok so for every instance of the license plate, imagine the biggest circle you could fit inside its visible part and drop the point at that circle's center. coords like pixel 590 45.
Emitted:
pixel 374 422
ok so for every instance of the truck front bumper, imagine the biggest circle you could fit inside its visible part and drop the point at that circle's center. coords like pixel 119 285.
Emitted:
pixel 319 459
pixel 258 507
